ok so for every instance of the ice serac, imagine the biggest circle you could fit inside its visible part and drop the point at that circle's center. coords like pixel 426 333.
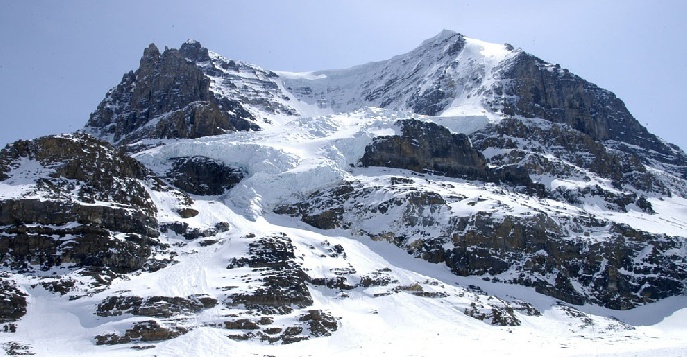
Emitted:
pixel 168 96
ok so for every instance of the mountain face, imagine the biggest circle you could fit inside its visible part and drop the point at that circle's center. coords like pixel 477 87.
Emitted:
pixel 167 97
pixel 82 191
pixel 463 186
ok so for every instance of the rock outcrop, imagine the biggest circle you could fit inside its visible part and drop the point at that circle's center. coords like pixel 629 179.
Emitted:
pixel 86 205
pixel 283 288
pixel 12 304
pixel 143 331
pixel 200 175
pixel 543 90
pixel 542 148
pixel 427 147
pixel 167 97
pixel 431 148
pixel 154 306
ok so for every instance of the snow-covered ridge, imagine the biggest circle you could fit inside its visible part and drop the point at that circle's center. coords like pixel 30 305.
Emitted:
pixel 454 73
pixel 314 248
pixel 448 75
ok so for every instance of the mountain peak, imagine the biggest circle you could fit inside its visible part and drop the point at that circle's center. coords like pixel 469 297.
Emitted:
pixel 446 34
pixel 194 51
pixel 459 157
pixel 150 56
pixel 151 51
pixel 442 37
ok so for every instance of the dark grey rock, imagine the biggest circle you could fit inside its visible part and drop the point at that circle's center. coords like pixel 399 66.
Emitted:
pixel 143 331
pixel 284 283
pixel 172 90
pixel 431 148
pixel 555 94
pixel 203 176
pixel 92 192
pixel 13 302
pixel 194 51
pixel 427 147
pixel 154 306
pixel 526 143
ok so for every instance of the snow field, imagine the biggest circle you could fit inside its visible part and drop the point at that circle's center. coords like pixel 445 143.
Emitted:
pixel 294 156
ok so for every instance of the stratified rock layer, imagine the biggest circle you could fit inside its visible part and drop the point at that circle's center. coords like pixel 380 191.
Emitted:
pixel 88 194
pixel 546 91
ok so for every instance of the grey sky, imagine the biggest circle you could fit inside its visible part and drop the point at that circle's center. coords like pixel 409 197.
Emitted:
pixel 59 58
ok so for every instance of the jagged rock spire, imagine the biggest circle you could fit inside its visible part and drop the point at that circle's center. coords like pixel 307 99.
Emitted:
pixel 172 91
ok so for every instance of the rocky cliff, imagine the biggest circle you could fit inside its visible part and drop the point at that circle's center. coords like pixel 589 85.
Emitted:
pixel 547 91
pixel 82 203
pixel 167 97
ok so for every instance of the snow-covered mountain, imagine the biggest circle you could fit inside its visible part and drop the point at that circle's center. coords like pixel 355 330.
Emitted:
pixel 445 74
pixel 464 191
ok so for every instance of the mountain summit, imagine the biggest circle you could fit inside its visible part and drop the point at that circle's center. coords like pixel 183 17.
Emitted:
pixel 463 191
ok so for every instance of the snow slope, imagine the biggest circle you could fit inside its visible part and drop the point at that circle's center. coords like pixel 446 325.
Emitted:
pixel 455 74
pixel 384 301
pixel 308 154
pixel 399 324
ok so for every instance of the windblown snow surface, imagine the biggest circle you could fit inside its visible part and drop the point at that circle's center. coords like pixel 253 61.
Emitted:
pixel 298 157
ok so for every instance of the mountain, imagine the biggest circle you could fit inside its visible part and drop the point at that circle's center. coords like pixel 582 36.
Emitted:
pixel 464 191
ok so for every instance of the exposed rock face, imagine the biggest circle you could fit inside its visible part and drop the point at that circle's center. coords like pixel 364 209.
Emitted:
pixel 12 304
pixel 618 273
pixel 167 97
pixel 84 194
pixel 144 331
pixel 284 288
pixel 154 306
pixel 428 147
pixel 203 176
pixel 194 51
pixel 624 269
pixel 549 92
pixel 282 291
pixel 314 323
pixel 530 144
pixel 183 229
pixel 35 211
pixel 101 172
pixel 16 349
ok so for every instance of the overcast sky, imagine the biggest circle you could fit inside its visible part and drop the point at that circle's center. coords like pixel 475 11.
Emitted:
pixel 59 58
